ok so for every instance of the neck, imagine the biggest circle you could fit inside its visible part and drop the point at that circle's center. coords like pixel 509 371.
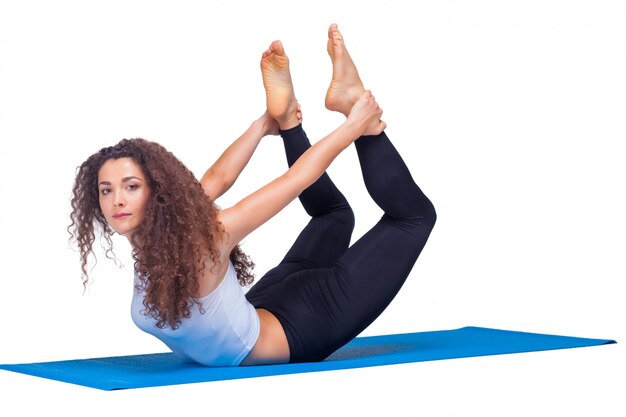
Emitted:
pixel 133 243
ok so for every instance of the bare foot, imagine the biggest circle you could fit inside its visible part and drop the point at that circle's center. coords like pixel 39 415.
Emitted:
pixel 346 86
pixel 281 100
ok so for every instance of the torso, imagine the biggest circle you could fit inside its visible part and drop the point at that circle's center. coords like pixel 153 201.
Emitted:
pixel 272 345
pixel 211 277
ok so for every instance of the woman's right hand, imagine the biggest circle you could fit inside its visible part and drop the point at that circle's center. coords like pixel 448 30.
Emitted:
pixel 365 115
pixel 270 126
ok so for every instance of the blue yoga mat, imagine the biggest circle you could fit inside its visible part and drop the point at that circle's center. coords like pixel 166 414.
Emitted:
pixel 161 369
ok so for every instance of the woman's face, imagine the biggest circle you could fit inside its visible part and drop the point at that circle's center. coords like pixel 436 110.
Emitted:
pixel 123 192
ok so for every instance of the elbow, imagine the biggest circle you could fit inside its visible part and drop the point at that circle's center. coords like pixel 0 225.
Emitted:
pixel 214 184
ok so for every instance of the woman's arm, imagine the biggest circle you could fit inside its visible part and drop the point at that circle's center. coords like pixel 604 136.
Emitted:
pixel 224 172
pixel 265 203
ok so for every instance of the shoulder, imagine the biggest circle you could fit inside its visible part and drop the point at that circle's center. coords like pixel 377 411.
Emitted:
pixel 229 219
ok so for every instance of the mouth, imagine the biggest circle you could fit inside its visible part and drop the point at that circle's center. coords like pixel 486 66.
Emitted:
pixel 121 215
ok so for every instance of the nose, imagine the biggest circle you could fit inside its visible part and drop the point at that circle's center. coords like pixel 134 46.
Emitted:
pixel 118 200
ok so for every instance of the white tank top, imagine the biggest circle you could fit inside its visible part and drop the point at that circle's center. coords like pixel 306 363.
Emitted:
pixel 222 336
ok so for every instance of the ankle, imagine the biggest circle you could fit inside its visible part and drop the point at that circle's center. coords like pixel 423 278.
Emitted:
pixel 289 122
pixel 348 105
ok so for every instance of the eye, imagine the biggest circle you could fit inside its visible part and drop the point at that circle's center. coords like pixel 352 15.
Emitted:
pixel 104 191
pixel 133 187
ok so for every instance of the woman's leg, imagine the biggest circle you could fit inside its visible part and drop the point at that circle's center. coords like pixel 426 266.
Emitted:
pixel 374 268
pixel 324 239
pixel 327 235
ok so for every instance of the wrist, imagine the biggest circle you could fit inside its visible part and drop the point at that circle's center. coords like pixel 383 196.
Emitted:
pixel 266 125
pixel 258 124
pixel 259 127
pixel 351 130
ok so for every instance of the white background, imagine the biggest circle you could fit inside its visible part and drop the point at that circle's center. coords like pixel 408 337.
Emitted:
pixel 510 115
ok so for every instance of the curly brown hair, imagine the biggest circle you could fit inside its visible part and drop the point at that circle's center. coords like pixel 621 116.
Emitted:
pixel 170 246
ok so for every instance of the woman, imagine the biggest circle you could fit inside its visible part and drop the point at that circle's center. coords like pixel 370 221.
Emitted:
pixel 188 262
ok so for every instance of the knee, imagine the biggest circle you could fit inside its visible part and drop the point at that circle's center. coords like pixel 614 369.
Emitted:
pixel 338 213
pixel 425 216
pixel 430 214
pixel 345 216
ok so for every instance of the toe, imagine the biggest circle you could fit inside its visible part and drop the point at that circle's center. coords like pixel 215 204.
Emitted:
pixel 277 47
pixel 331 28
pixel 337 38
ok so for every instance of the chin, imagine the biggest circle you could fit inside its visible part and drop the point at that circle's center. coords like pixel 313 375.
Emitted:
pixel 124 231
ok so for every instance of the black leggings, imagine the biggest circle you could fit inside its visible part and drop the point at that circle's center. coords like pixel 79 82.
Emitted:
pixel 324 293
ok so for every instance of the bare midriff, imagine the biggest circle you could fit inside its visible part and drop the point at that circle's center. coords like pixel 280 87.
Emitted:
pixel 271 346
